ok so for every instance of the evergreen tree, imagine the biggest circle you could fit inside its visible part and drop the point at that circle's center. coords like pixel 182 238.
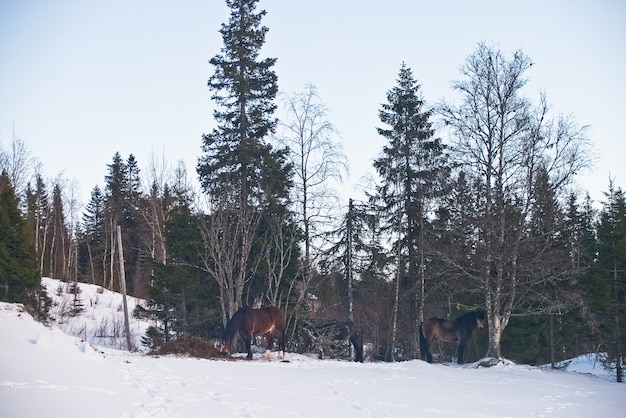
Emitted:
pixel 236 157
pixel 116 186
pixel 135 228
pixel 60 246
pixel 360 260
pixel 39 221
pixel 551 276
pixel 181 297
pixel 93 247
pixel 123 201
pixel 18 260
pixel 245 178
pixel 605 286
pixel 413 171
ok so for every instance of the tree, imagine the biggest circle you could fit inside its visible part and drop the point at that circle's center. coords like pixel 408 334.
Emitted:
pixel 123 203
pixel 502 140
pixel 605 285
pixel 244 177
pixel 358 258
pixel 18 163
pixel 95 237
pixel 413 171
pixel 318 160
pixel 60 239
pixel 236 158
pixel 18 260
pixel 39 219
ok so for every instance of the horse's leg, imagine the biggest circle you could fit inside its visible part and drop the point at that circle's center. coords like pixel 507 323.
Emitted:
pixel 280 336
pixel 461 351
pixel 248 341
pixel 429 356
pixel 358 348
pixel 270 341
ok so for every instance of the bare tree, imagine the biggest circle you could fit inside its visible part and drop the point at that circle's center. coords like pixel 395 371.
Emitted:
pixel 278 257
pixel 19 164
pixel 228 237
pixel 503 141
pixel 155 214
pixel 318 161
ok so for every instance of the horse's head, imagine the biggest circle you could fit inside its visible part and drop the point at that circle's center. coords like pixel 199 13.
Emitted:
pixel 480 319
pixel 226 348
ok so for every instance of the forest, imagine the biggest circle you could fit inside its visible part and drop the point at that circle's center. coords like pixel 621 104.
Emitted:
pixel 474 206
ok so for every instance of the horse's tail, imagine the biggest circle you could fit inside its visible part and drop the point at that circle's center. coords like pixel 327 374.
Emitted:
pixel 424 350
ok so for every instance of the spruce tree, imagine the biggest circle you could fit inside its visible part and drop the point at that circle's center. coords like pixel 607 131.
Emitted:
pixel 605 285
pixel 244 177
pixel 18 260
pixel 413 171
pixel 236 156
pixel 94 243
pixel 39 221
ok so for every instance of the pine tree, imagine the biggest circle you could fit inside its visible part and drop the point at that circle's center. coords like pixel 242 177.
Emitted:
pixel 18 260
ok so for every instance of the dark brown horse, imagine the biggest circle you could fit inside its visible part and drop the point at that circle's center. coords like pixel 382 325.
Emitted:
pixel 459 329
pixel 325 333
pixel 248 322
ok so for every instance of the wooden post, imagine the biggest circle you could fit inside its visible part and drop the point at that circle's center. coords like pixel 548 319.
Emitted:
pixel 123 288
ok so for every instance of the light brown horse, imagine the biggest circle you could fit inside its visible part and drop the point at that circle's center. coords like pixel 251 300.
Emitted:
pixel 459 329
pixel 248 322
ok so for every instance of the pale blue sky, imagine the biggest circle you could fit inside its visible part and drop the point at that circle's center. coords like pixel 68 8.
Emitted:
pixel 81 80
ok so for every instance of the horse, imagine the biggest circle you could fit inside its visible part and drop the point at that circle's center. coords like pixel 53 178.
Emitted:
pixel 459 329
pixel 248 322
pixel 324 333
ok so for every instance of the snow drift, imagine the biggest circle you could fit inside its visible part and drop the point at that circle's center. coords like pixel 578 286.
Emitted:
pixel 46 372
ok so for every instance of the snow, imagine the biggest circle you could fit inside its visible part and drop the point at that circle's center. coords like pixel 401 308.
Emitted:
pixel 44 371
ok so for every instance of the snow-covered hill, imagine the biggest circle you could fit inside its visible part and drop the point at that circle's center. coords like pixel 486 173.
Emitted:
pixel 101 322
pixel 46 372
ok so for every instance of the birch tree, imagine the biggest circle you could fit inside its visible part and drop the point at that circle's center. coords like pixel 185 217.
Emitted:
pixel 502 140
pixel 318 163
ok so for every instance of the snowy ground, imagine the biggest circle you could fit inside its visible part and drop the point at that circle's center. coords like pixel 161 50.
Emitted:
pixel 46 372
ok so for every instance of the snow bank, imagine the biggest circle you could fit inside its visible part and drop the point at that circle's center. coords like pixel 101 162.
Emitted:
pixel 101 321
pixel 45 372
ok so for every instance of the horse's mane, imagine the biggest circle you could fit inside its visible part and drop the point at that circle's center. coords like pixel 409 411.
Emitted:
pixel 471 317
pixel 233 324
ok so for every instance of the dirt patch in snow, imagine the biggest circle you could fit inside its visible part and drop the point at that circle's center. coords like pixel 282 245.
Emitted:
pixel 190 347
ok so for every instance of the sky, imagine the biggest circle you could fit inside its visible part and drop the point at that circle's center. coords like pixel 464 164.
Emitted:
pixel 82 80
pixel 65 370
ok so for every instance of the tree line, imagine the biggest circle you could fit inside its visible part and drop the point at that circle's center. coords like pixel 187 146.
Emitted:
pixel 486 219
